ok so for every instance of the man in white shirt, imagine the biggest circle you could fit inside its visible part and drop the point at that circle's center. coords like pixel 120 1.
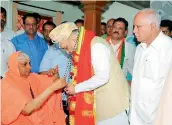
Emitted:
pixel 153 61
pixel 7 48
pixel 123 50
pixel 95 71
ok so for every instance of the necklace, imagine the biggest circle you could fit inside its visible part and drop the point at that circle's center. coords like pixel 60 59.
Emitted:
pixel 68 67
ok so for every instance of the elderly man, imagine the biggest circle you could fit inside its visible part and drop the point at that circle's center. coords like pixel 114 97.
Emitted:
pixel 94 71
pixel 7 48
pixel 153 61
pixel 109 26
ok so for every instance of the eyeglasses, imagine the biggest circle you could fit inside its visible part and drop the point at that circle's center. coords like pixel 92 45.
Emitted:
pixel 110 27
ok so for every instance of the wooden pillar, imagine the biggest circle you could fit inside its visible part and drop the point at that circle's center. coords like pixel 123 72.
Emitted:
pixel 92 15
pixel 58 18
pixel 15 16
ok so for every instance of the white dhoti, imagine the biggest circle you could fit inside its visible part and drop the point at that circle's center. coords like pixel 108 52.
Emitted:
pixel 121 119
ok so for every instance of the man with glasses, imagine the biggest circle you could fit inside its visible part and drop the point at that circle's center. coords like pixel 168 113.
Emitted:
pixel 38 17
pixel 108 28
pixel 30 43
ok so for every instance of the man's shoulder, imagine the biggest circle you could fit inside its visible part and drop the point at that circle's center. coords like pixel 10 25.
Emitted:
pixel 98 39
pixel 167 39
pixel 21 31
pixel 40 34
pixel 9 30
pixel 138 48
pixel 165 42
pixel 131 40
pixel 129 44
pixel 41 38
pixel 52 48
pixel 9 33
pixel 104 36
pixel 18 37
pixel 100 43
pixel 41 41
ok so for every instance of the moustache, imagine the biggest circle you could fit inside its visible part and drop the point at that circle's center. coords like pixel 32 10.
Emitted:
pixel 116 32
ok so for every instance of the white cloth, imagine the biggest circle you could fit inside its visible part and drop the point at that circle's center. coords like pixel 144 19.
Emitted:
pixel 151 68
pixel 129 56
pixel 100 59
pixel 19 32
pixel 7 48
pixel 121 119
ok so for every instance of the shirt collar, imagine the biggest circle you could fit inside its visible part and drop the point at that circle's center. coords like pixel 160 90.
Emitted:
pixel 26 36
pixel 123 39
pixel 156 43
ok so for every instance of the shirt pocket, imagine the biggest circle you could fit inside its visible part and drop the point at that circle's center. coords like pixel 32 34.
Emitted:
pixel 150 70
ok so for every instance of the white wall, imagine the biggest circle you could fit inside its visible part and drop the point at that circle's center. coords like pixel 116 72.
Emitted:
pixel 71 13
pixel 7 4
pixel 120 10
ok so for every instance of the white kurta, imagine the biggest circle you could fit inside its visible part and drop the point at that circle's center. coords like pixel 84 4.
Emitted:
pixel 151 67
pixel 100 59
pixel 7 48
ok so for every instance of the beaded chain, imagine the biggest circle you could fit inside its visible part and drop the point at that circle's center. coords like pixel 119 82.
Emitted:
pixel 67 74
pixel 68 68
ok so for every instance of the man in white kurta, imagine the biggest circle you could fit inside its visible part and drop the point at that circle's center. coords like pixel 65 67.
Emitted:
pixel 153 60
pixel 6 47
pixel 101 57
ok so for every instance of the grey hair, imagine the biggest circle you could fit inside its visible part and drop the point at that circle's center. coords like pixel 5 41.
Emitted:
pixel 76 31
pixel 23 56
pixel 153 16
